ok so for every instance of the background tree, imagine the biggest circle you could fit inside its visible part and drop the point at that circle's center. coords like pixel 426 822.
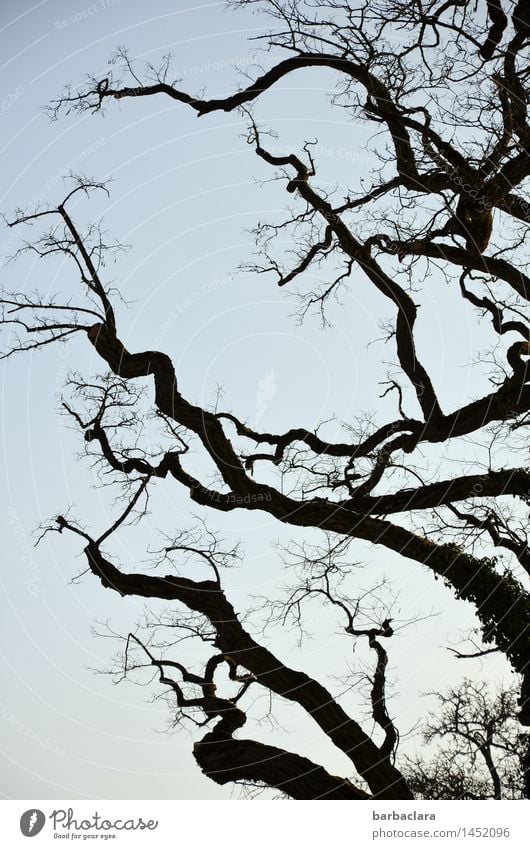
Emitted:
pixel 482 750
pixel 447 93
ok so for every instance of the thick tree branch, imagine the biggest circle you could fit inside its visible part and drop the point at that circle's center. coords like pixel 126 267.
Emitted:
pixel 208 599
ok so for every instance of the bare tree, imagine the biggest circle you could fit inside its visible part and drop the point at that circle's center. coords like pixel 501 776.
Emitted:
pixel 446 88
pixel 482 751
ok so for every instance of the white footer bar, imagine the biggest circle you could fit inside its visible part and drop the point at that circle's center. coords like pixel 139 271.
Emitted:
pixel 257 824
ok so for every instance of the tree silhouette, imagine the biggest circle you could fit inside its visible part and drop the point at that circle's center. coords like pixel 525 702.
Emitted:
pixel 483 753
pixel 447 90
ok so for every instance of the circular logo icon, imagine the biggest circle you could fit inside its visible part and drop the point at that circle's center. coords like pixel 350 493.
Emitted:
pixel 32 822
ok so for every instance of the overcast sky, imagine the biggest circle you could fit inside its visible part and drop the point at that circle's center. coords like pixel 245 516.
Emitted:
pixel 183 196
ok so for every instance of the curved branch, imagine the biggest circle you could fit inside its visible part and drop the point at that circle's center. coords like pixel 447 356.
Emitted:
pixel 224 759
pixel 500 268
pixel 503 482
pixel 207 598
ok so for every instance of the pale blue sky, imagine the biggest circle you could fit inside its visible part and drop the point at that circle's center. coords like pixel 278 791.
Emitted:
pixel 183 193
